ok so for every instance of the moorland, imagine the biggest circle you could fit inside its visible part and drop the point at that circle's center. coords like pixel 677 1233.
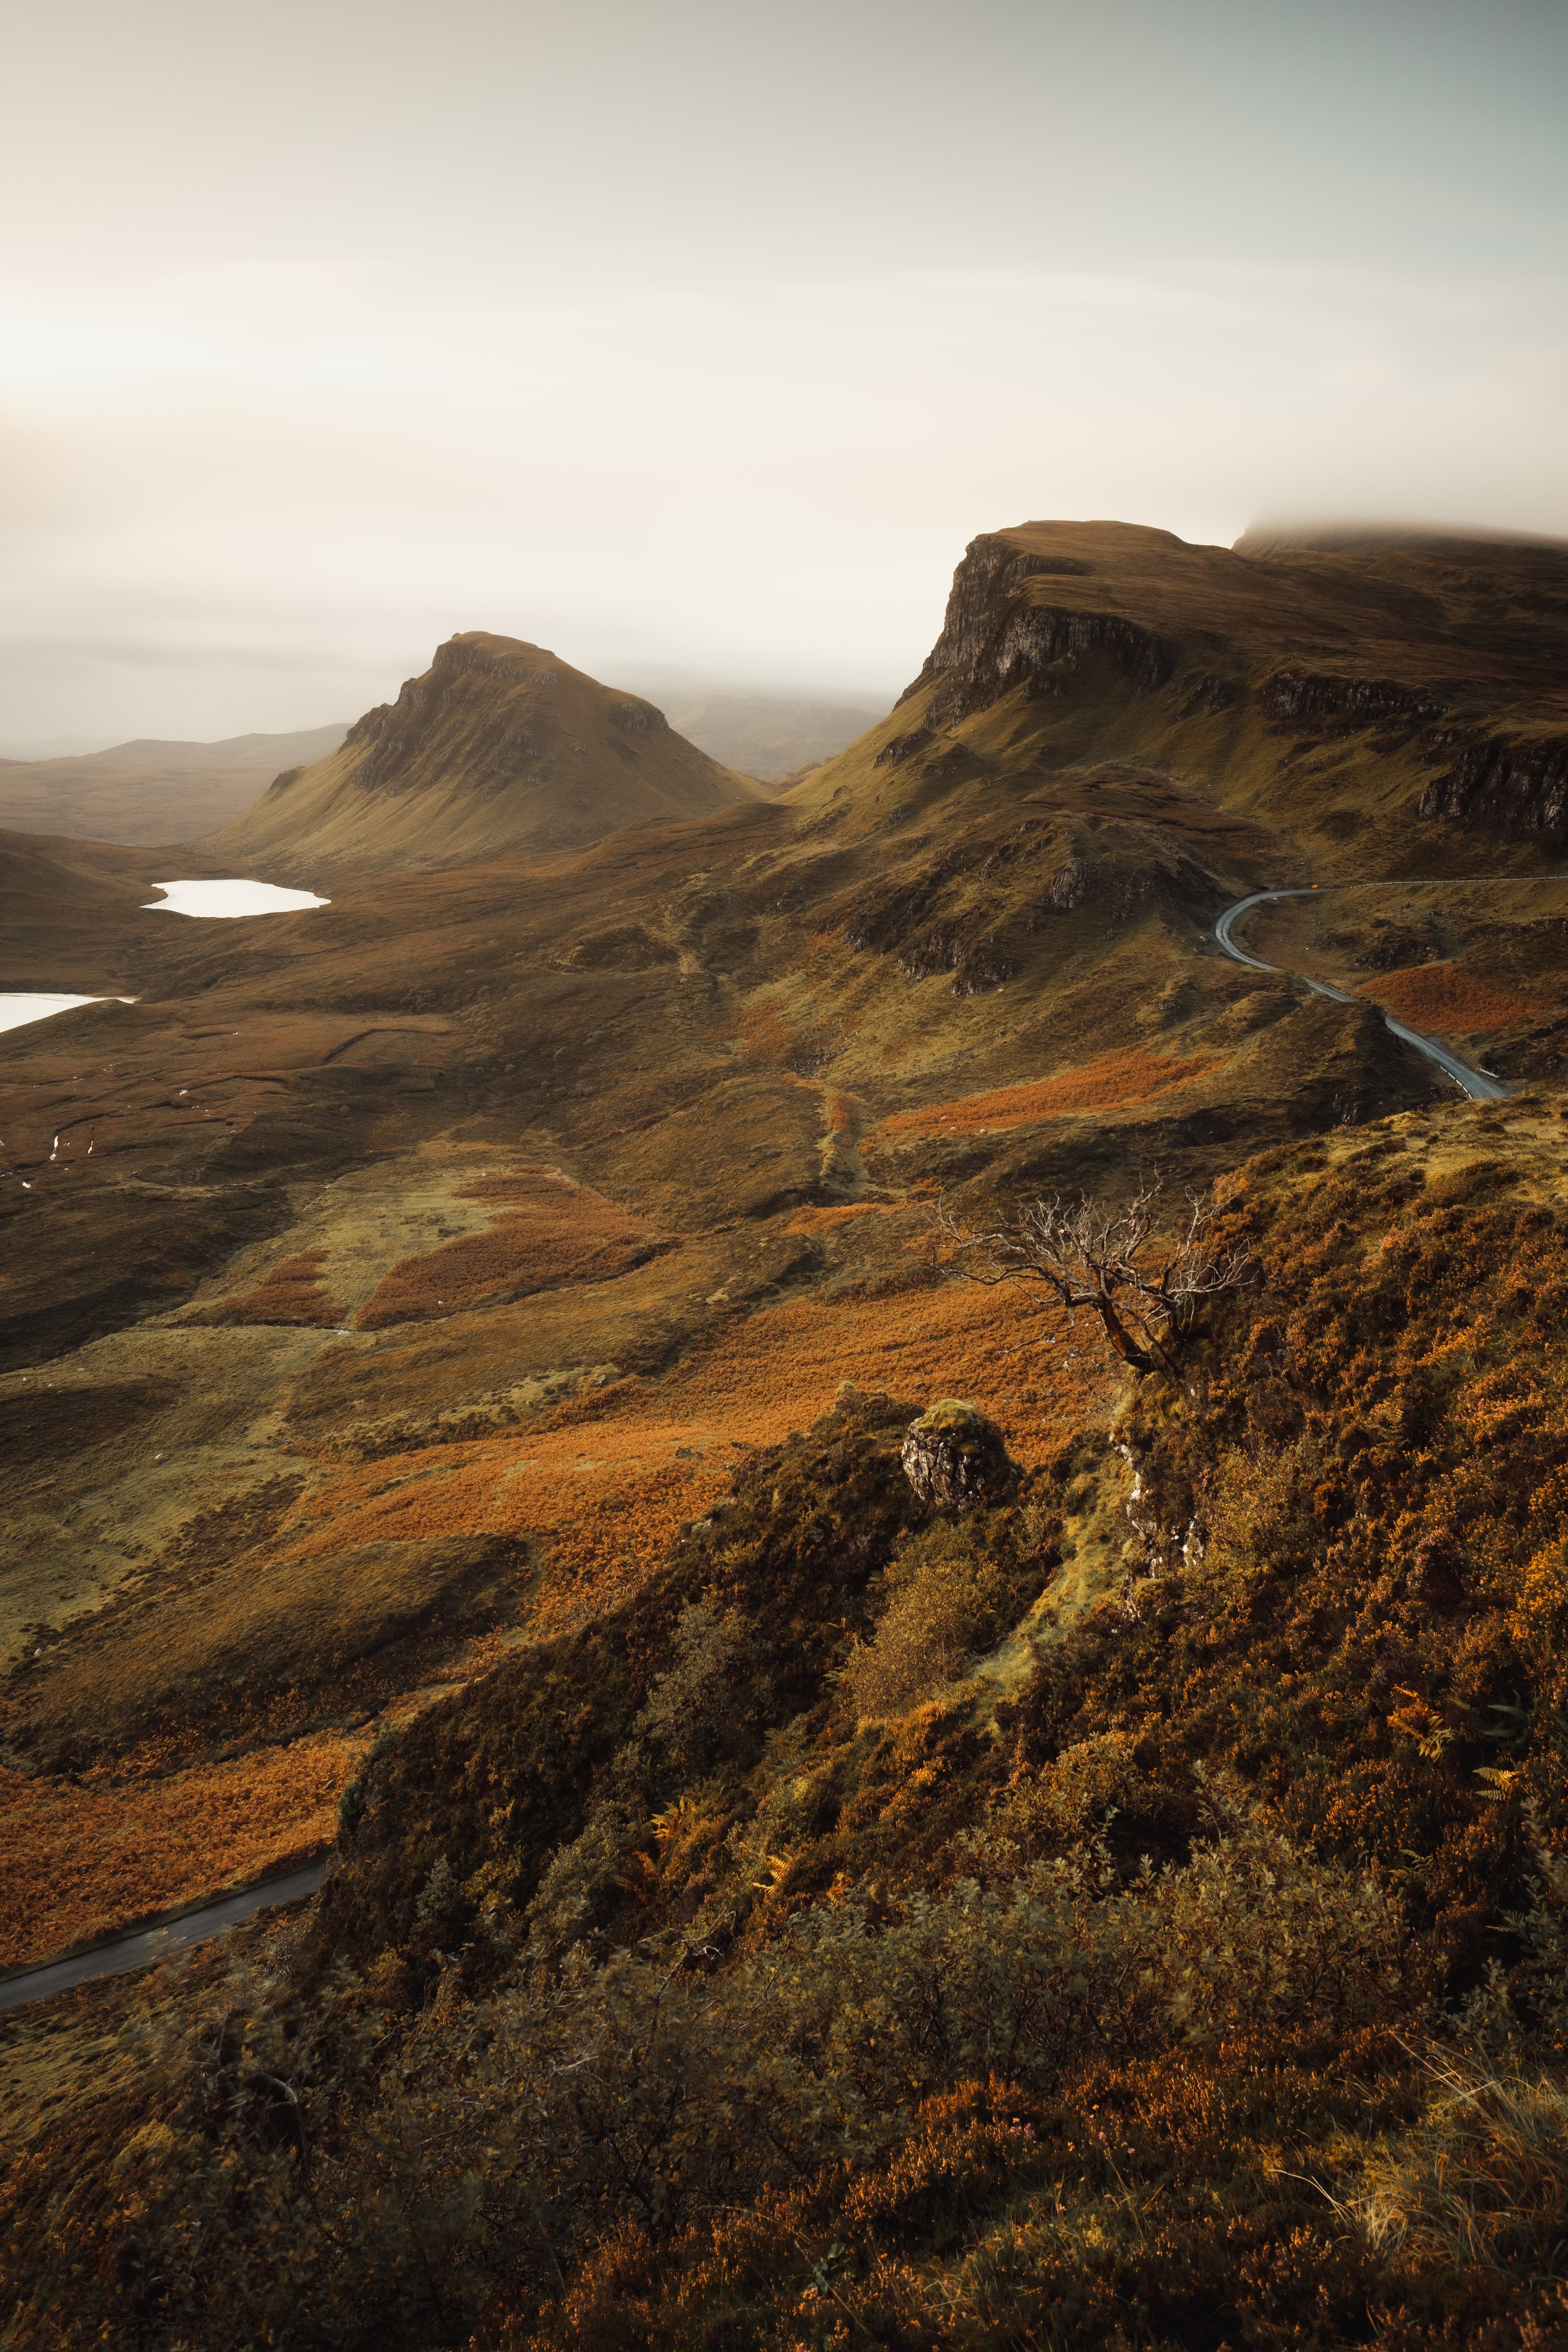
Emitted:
pixel 458 1348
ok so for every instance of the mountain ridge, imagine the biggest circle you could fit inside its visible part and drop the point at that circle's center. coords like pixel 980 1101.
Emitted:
pixel 150 790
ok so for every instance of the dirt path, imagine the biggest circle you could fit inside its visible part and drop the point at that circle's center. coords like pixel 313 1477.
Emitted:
pixel 1475 1083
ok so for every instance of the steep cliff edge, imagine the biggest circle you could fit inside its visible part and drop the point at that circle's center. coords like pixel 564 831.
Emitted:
pixel 1377 697
pixel 500 749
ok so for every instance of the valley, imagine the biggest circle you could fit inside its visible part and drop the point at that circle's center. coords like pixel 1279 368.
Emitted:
pixel 423 1303
pixel 506 1206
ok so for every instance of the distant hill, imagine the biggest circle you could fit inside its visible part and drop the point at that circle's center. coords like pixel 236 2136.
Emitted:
pixel 500 749
pixel 149 791
pixel 770 736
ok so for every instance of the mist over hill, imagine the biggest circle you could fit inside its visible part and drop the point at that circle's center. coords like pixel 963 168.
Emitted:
pixel 768 735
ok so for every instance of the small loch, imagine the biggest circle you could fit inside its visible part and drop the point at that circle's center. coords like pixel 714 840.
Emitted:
pixel 229 898
pixel 17 1011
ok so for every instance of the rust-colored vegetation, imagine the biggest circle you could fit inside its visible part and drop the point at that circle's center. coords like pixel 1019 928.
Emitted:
pixel 1449 998
pixel 764 1032
pixel 976 1997
pixel 1129 1076
pixel 86 1857
pixel 291 1293
pixel 549 1232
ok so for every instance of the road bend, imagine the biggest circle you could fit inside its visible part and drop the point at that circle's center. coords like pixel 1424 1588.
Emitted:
pixel 1475 1083
pixel 150 1945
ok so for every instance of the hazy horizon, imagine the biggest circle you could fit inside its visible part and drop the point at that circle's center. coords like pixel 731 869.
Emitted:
pixel 704 341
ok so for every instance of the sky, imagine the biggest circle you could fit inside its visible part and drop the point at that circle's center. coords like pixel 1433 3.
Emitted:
pixel 691 337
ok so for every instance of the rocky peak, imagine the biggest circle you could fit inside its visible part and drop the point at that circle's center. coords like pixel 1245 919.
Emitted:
pixel 998 633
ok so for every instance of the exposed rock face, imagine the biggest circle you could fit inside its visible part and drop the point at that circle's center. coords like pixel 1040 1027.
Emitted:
pixel 996 636
pixel 954 1456
pixel 1339 705
pixel 1511 788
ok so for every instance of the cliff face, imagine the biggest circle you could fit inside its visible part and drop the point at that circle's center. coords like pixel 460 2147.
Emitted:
pixel 1000 632
pixel 499 750
pixel 1400 692
pixel 1515 789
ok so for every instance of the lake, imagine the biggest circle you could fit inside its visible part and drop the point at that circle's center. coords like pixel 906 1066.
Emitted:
pixel 229 898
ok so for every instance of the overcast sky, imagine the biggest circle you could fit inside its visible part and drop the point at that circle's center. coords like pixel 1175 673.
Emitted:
pixel 707 334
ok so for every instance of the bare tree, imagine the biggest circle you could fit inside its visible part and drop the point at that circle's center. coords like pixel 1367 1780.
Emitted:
pixel 1143 1290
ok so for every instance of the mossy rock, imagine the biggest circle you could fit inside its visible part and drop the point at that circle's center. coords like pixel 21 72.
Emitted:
pixel 955 1457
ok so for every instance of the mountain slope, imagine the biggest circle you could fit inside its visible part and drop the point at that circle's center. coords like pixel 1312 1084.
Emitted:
pixel 392 1290
pixel 551 1178
pixel 500 749
pixel 1398 703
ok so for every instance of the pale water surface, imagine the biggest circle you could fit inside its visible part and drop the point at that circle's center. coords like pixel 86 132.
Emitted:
pixel 15 1012
pixel 230 898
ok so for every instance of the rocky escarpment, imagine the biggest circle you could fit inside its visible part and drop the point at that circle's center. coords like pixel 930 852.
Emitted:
pixel 997 635
pixel 1517 789
pixel 1336 705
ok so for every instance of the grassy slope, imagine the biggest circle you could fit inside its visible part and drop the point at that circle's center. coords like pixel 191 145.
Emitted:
pixel 887 2013
pixel 751 1048
pixel 500 749
pixel 510 1202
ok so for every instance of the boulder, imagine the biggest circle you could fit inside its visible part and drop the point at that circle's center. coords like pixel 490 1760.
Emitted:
pixel 956 1457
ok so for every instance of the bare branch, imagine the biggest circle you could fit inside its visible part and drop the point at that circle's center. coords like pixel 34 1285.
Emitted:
pixel 1143 1293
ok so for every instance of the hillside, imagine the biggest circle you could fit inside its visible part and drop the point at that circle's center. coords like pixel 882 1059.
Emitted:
pixel 499 750
pixel 1396 702
pixel 427 1437
pixel 151 791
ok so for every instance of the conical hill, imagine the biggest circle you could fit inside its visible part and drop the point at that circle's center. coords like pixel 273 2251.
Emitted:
pixel 500 749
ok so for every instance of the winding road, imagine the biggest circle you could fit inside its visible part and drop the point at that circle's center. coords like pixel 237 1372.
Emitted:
pixel 149 1945
pixel 1475 1083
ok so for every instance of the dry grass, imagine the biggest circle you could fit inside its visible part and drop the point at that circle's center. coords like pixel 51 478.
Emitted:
pixel 1480 2182
pixel 86 1859
pixel 827 1221
pixel 1445 997
pixel 550 1232
pixel 1105 1084
pixel 259 1638
pixel 291 1293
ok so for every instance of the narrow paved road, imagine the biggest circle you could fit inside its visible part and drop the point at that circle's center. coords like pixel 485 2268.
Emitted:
pixel 1475 1083
pixel 150 1944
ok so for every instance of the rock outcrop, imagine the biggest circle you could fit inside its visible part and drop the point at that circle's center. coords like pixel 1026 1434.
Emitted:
pixel 1314 702
pixel 956 1457
pixel 1516 789
pixel 997 635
